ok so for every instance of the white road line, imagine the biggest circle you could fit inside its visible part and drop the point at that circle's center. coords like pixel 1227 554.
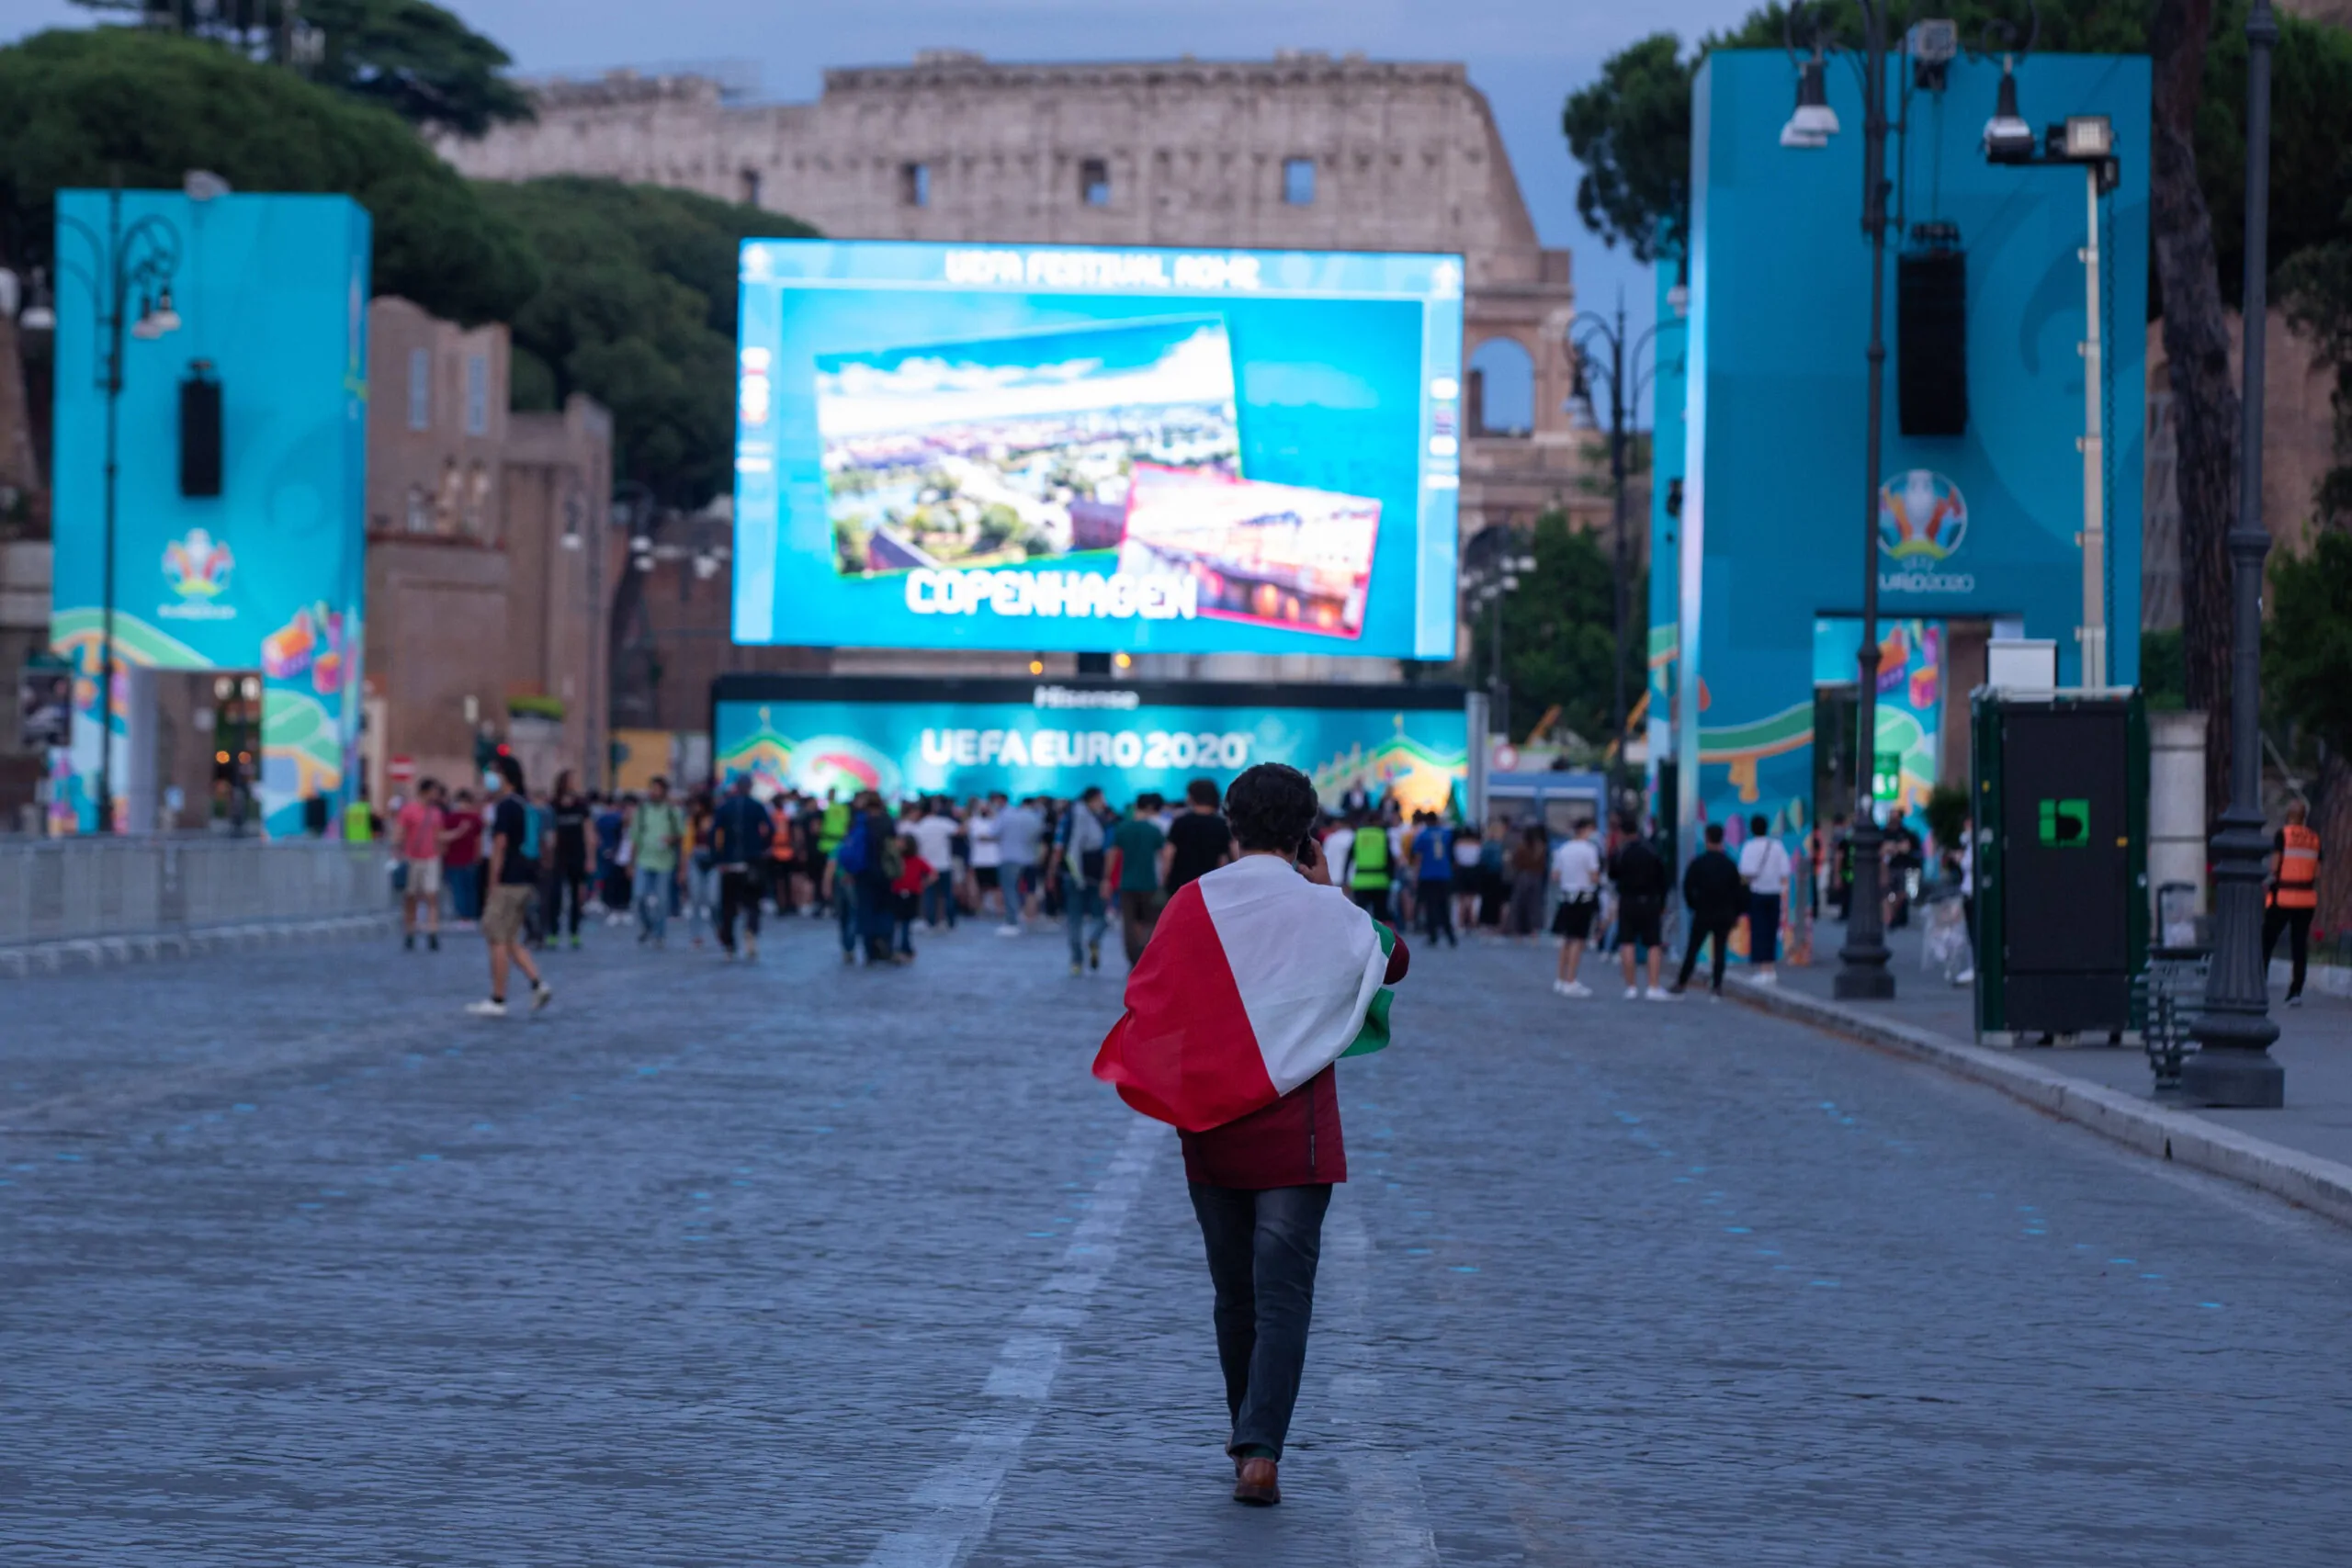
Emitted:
pixel 1390 1514
pixel 959 1498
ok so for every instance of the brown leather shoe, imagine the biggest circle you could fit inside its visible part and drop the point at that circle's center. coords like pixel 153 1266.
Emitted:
pixel 1255 1484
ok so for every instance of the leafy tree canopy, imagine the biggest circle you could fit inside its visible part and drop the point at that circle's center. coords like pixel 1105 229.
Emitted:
pixel 637 311
pixel 1631 129
pixel 1559 631
pixel 78 107
pixel 407 56
pixel 2317 288
pixel 2307 642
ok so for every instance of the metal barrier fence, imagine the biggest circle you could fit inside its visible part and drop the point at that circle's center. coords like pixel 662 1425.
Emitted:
pixel 73 889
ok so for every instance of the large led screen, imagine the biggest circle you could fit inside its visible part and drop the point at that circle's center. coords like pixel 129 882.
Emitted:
pixel 1097 449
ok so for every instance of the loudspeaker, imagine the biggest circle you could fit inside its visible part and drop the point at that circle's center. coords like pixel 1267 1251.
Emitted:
pixel 1931 342
pixel 200 433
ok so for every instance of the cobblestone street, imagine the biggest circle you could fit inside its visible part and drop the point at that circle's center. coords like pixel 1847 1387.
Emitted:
pixel 793 1264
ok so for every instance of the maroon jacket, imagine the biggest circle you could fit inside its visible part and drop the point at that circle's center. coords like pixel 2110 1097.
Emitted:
pixel 1294 1142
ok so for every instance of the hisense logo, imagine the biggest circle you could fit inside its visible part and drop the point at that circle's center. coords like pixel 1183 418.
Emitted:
pixel 1067 697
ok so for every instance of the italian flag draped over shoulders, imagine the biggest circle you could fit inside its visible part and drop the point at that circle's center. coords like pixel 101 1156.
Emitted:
pixel 1254 981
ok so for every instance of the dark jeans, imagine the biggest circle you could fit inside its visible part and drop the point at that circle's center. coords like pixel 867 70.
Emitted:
pixel 2297 924
pixel 1700 932
pixel 1763 928
pixel 738 892
pixel 1138 913
pixel 1436 899
pixel 464 883
pixel 570 891
pixel 939 899
pixel 1372 901
pixel 1263 1247
pixel 845 911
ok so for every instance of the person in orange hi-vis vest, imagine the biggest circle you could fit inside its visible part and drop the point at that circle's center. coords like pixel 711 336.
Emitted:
pixel 2293 895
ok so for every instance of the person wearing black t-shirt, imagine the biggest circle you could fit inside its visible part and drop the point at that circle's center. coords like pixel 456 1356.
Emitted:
pixel 574 833
pixel 1198 841
pixel 513 868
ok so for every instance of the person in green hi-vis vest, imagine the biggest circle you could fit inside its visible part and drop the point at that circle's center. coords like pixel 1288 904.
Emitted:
pixel 358 822
pixel 1368 868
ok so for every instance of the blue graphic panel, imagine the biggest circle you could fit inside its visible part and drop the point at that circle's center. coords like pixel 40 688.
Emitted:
pixel 271 295
pixel 1777 522
pixel 1157 450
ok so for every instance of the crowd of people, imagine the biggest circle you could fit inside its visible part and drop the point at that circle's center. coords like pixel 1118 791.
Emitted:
pixel 529 867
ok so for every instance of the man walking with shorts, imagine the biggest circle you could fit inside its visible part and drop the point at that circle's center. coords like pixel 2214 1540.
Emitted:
pixel 420 826
pixel 514 874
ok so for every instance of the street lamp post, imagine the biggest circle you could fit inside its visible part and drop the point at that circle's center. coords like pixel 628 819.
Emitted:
pixel 2234 1067
pixel 1484 583
pixel 1862 973
pixel 140 259
pixel 1596 328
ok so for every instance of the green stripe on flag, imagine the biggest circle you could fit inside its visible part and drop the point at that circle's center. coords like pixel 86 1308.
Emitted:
pixel 1373 1035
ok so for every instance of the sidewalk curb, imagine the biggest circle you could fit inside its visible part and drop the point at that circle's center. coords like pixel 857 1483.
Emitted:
pixel 2321 1185
pixel 107 952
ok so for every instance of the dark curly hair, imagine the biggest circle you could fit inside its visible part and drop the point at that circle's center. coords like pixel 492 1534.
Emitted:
pixel 1270 806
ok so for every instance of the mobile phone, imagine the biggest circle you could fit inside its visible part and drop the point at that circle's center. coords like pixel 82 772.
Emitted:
pixel 1309 851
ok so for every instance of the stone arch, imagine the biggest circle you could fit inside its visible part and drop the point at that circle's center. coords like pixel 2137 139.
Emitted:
pixel 1499 394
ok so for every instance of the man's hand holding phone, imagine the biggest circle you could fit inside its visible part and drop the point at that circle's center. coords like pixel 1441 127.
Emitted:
pixel 1311 863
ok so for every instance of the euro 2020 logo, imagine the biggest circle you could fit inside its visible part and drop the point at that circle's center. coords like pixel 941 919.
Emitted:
pixel 197 566
pixel 1922 517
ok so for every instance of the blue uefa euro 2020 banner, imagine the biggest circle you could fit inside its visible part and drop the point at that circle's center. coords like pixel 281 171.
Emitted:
pixel 271 295
pixel 1057 449
pixel 963 739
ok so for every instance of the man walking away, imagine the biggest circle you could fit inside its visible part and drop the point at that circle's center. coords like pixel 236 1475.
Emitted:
pixel 1642 886
pixel 1019 832
pixel 1712 890
pixel 654 837
pixel 741 834
pixel 2294 894
pixel 1433 879
pixel 421 826
pixel 1764 866
pixel 1075 867
pixel 514 886
pixel 1576 877
pixel 1263 1148
pixel 1199 840
pixel 1134 874
pixel 1368 869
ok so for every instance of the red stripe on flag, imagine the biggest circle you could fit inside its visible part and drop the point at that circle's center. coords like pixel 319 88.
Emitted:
pixel 1183 1052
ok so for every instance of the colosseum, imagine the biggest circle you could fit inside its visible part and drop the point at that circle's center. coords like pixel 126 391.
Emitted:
pixel 1305 151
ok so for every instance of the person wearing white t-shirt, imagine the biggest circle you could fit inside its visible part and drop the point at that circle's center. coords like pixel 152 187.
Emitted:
pixel 988 857
pixel 1764 866
pixel 1339 848
pixel 1576 877
pixel 935 836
